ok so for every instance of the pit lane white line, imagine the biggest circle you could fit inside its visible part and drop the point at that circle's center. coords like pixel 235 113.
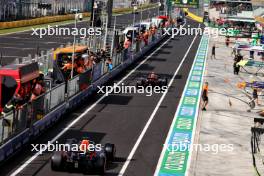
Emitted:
pixel 23 166
pixel 131 154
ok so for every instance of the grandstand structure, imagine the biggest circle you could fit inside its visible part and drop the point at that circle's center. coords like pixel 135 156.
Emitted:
pixel 231 10
pixel 11 10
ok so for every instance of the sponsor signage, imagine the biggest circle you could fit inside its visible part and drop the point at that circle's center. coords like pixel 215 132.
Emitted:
pixel 175 159
pixel 186 3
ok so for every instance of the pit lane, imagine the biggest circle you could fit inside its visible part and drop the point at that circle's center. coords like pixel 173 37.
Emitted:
pixel 119 119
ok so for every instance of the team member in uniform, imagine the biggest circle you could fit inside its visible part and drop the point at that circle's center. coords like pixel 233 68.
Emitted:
pixel 205 96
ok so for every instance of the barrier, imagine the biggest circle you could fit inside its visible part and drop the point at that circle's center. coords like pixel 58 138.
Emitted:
pixel 36 117
pixel 22 118
pixel 57 96
pixel 97 71
pixel 7 125
pixel 85 80
pixel 38 108
pixel 1 131
pixel 117 59
pixel 72 86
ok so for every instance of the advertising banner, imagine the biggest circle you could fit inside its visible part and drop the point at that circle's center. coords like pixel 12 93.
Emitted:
pixel 186 3
pixel 176 154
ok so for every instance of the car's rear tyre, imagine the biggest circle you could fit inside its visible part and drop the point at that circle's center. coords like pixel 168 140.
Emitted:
pixel 166 81
pixel 100 165
pixel 163 82
pixel 56 161
pixel 110 151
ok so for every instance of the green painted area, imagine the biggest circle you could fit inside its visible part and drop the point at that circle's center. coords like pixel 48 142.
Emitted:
pixel 177 154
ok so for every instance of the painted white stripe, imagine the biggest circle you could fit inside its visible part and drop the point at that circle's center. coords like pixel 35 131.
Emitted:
pixel 131 154
pixel 19 169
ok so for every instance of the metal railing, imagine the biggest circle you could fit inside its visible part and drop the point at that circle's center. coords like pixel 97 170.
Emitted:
pixel 25 116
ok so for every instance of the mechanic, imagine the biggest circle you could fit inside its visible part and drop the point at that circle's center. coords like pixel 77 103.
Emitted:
pixel 205 96
pixel 11 104
pixel 145 37
pixel 38 88
pixel 80 66
pixel 84 145
pixel 16 102
pixel 255 95
pixel 127 44
pixel 68 68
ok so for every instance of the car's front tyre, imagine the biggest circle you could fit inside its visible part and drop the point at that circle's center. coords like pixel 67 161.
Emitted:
pixel 100 164
pixel 110 151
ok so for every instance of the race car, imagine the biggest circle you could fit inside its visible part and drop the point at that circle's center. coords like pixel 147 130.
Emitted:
pixel 152 80
pixel 84 156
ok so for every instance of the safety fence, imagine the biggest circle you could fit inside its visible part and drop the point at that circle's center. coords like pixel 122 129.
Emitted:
pixel 33 117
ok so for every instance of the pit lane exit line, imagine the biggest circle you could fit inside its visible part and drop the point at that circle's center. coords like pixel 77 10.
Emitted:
pixel 22 167
pixel 131 154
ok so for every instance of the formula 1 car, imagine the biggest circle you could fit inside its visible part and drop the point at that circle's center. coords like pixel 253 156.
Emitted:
pixel 86 161
pixel 152 80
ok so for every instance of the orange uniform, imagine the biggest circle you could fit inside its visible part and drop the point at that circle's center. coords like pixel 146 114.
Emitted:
pixel 84 145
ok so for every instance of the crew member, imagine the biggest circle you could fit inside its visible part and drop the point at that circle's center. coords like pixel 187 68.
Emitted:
pixel 127 44
pixel 109 64
pixel 80 66
pixel 227 41
pixel 15 102
pixel 38 88
pixel 145 37
pixel 84 145
pixel 205 96
pixel 67 68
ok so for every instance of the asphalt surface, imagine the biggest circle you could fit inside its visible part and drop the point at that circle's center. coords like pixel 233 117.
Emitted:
pixel 119 119
pixel 22 44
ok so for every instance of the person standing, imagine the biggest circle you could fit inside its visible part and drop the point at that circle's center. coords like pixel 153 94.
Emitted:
pixel 127 44
pixel 236 66
pixel 227 41
pixel 205 96
pixel 255 95
pixel 213 52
